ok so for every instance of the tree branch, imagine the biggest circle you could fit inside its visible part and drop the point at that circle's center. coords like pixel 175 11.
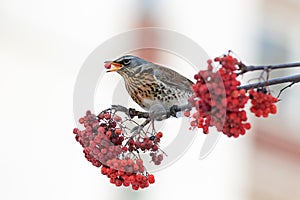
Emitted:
pixel 245 68
pixel 287 79
pixel 157 115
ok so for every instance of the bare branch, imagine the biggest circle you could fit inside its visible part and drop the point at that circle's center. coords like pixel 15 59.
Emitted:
pixel 158 115
pixel 249 68
pixel 287 79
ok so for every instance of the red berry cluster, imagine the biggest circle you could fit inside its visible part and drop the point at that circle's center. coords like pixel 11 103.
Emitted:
pixel 127 172
pixel 148 144
pixel 262 103
pixel 144 144
pixel 106 143
pixel 101 141
pixel 220 103
pixel 157 158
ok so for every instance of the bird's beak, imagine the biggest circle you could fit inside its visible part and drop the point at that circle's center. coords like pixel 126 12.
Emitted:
pixel 112 66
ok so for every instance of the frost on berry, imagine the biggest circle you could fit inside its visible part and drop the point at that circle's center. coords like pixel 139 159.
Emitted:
pixel 108 144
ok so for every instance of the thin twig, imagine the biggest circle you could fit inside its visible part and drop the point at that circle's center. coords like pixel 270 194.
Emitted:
pixel 290 85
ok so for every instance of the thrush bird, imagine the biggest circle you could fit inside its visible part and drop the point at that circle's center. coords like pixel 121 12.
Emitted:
pixel 151 84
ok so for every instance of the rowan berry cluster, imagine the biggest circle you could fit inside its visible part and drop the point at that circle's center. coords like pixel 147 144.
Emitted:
pixel 148 144
pixel 106 143
pixel 220 103
pixel 127 172
pixel 263 104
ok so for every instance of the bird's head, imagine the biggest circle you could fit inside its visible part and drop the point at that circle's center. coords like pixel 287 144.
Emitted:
pixel 125 64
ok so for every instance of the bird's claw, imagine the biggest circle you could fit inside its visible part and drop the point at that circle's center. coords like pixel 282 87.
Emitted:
pixel 173 110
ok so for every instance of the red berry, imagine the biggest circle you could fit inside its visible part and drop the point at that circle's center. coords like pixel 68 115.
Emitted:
pixel 75 130
pixel 107 116
pixel 154 148
pixel 108 134
pixel 118 131
pixel 81 120
pixel 118 182
pixel 107 65
pixel 135 187
pixel 151 179
pixel 159 135
pixel 187 113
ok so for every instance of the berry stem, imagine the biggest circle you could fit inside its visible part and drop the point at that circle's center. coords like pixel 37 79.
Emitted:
pixel 286 79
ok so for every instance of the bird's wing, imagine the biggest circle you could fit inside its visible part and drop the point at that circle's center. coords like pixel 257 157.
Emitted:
pixel 172 78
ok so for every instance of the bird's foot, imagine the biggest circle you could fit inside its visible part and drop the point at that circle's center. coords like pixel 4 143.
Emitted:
pixel 173 110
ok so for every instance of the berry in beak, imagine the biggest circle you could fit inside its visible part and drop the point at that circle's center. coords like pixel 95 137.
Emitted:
pixel 112 66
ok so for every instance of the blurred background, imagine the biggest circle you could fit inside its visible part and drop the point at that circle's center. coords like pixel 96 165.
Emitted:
pixel 42 47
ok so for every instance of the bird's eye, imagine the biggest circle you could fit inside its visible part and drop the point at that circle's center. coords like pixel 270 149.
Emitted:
pixel 126 62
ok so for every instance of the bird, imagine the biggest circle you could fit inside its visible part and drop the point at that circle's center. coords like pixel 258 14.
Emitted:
pixel 151 85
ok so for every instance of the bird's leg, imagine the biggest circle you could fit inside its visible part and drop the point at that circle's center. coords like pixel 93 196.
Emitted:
pixel 173 110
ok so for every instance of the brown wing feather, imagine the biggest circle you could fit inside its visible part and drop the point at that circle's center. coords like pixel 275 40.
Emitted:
pixel 172 78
